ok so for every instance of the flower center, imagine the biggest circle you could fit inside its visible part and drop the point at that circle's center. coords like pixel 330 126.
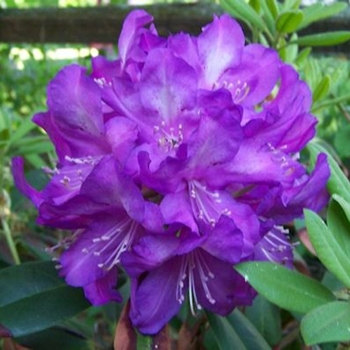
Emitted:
pixel 71 177
pixel 197 272
pixel 239 90
pixel 168 138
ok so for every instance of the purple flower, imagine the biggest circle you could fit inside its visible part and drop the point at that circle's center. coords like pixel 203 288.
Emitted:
pixel 184 264
pixel 176 161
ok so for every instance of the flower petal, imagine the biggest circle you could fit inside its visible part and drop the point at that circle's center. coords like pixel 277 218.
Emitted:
pixel 102 291
pixel 225 290
pixel 167 85
pixel 21 182
pixel 176 209
pixel 220 46
pixel 130 35
pixel 98 248
pixel 121 134
pixel 225 242
pixel 255 77
pixel 155 300
pixel 75 105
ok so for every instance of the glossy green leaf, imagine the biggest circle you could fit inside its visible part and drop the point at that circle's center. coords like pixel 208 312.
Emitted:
pixel 243 11
pixel 345 206
pixel 273 7
pixel 327 247
pixel 323 39
pixel 42 310
pixel 255 4
pixel 34 298
pixel 288 53
pixel 290 4
pixel 209 340
pixel 5 120
pixel 268 15
pixel 322 88
pixel 19 282
pixel 24 128
pixel 332 282
pixel 56 338
pixel 318 12
pixel 339 225
pixel 286 288
pixel 224 333
pixel 288 21
pixel 331 102
pixel 312 72
pixel 266 318
pixel 327 323
pixel 338 182
pixel 36 148
pixel 302 56
pixel 341 141
pixel 248 334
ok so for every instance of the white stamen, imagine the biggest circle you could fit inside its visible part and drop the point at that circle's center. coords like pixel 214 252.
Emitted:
pixel 168 138
pixel 193 265
pixel 113 243
pixel 204 203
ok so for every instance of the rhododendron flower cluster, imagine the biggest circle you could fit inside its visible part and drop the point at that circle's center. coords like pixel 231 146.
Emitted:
pixel 176 161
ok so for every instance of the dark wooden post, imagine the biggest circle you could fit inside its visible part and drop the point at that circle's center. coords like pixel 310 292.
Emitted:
pixel 103 24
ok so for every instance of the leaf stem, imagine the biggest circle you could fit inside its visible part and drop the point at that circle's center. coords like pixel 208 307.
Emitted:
pixel 10 242
pixel 331 102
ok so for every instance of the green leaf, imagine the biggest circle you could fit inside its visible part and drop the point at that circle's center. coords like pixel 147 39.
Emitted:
pixel 34 298
pixel 35 160
pixel 323 39
pixel 249 335
pixel 288 289
pixel 302 56
pixel 255 4
pixel 290 4
pixel 56 338
pixel 37 148
pixel 25 127
pixel 266 318
pixel 19 282
pixel 327 248
pixel 5 120
pixel 273 7
pixel 243 11
pixel 209 340
pixel 268 15
pixel 327 323
pixel 332 282
pixel 338 182
pixel 224 333
pixel 318 12
pixel 331 102
pixel 288 53
pixel 42 310
pixel 322 88
pixel 341 141
pixel 345 206
pixel 288 21
pixel 339 224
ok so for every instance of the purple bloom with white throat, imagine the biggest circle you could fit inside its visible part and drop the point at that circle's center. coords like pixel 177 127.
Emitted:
pixel 176 161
